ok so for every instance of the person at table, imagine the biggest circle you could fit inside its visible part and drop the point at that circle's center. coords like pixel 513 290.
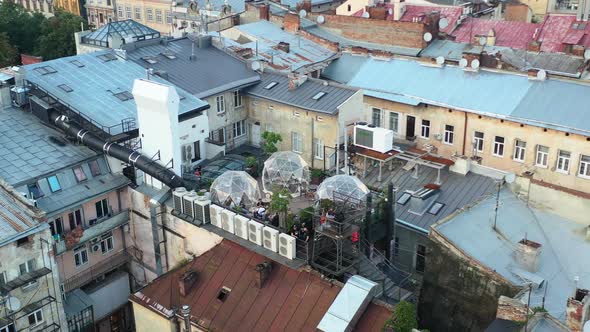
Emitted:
pixel 331 214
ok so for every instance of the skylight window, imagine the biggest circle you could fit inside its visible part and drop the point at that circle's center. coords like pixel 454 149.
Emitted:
pixel 79 173
pixel 169 54
pixel 77 63
pixel 35 190
pixel 123 96
pixel 149 59
pixel 107 57
pixel 53 183
pixel 45 70
pixel 318 95
pixel 404 198
pixel 65 87
pixel 271 85
pixel 435 208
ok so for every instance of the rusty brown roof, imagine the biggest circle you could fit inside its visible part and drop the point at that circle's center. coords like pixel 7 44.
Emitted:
pixel 291 300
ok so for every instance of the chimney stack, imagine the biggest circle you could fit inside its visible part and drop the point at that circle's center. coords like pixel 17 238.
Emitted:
pixel 185 311
pixel 186 282
pixel 264 269
pixel 577 310
pixel 527 254
pixel 399 8
pixel 284 46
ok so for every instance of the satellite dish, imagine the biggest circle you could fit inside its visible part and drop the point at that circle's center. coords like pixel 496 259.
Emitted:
pixel 255 65
pixel 482 40
pixel 366 15
pixel 443 23
pixel 586 326
pixel 321 19
pixel 541 74
pixel 509 178
pixel 474 64
pixel 427 37
pixel 13 303
pixel 587 54
pixel 390 11
pixel 440 60
pixel 302 13
pixel 463 63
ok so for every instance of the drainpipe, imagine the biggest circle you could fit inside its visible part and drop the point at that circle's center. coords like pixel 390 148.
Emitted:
pixel 185 311
pixel 464 133
pixel 312 145
pixel 154 204
pixel 389 220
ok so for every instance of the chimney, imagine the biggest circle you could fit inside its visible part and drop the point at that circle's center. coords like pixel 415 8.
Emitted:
pixel 283 46
pixel 263 11
pixel 185 311
pixel 511 309
pixel 378 13
pixel 291 22
pixel 491 38
pixel 295 81
pixel 263 270
pixel 534 46
pixel 577 310
pixel 527 254
pixel 399 8
pixel 186 282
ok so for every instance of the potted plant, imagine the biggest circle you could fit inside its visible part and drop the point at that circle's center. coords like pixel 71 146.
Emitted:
pixel 279 203
pixel 201 195
pixel 317 175
pixel 252 166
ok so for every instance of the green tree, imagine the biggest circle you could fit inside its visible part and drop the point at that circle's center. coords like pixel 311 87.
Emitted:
pixel 22 28
pixel 8 54
pixel 404 318
pixel 279 203
pixel 57 39
pixel 270 140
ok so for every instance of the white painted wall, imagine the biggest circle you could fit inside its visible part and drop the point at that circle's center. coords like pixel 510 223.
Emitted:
pixel 192 130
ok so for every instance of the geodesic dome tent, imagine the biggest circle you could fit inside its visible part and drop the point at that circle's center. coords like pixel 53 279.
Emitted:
pixel 285 169
pixel 345 185
pixel 235 187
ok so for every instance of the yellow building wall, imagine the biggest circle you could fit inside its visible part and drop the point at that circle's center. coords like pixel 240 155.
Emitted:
pixel 144 6
pixel 538 7
pixel 492 127
pixel 147 320
pixel 71 6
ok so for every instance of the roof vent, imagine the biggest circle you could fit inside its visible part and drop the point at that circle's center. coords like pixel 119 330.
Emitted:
pixel 58 141
pixel 537 74
pixel 283 46
pixel 264 269
pixel 186 282
pixel 527 254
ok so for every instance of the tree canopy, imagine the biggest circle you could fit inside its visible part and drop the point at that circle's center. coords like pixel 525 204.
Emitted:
pixel 34 34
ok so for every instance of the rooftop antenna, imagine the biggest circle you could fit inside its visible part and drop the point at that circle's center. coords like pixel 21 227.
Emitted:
pixel 149 71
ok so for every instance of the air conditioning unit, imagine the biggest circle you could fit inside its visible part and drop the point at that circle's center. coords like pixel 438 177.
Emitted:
pixel 188 202
pixel 287 246
pixel 270 238
pixel 255 232
pixel 95 240
pixel 227 221
pixel 95 247
pixel 202 211
pixel 373 138
pixel 241 226
pixel 177 198
pixel 216 215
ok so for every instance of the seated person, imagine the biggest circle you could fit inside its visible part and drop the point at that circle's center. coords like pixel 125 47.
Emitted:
pixel 295 231
pixel 304 234
pixel 261 212
pixel 331 214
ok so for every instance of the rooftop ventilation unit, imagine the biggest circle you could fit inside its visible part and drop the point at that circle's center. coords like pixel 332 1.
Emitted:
pixel 255 232
pixel 373 138
pixel 270 238
pixel 202 211
pixel 216 215
pixel 188 202
pixel 287 246
pixel 177 198
pixel 241 226
pixel 227 221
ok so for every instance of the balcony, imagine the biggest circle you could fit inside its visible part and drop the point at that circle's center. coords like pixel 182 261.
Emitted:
pixel 90 232
pixel 24 280
pixel 97 270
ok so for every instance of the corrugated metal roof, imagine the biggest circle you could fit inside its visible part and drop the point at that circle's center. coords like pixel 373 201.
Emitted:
pixel 558 237
pixel 290 299
pixel 14 218
pixel 27 149
pixel 211 73
pixel 94 85
pixel 264 36
pixel 522 100
pixel 302 96
pixel 508 33
pixel 293 3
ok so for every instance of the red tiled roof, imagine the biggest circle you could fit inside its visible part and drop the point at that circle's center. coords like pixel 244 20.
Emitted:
pixel 290 300
pixel 508 33
pixel 558 29
pixel 452 14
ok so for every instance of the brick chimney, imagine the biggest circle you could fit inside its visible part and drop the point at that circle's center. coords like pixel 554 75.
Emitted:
pixel 291 22
pixel 263 12
pixel 378 13
pixel 527 254
pixel 263 273
pixel 284 46
pixel 511 309
pixel 186 282
pixel 534 46
pixel 577 310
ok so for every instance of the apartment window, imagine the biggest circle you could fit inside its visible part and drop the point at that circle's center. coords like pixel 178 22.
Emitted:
pixel 394 122
pixel 120 11
pixel 237 99
pixel 79 173
pixel 35 190
pixel 196 151
pixel 149 14
pixel 159 15
pixel 542 156
pixel 128 11
pixel 478 141
pixel 519 150
pixel 425 132
pixel 239 128
pixel 420 260
pixel 584 166
pixel 220 101
pixel 75 219
pixel 563 161
pixel 27 267
pixel 99 2
pixel 56 226
pixel 499 146
pixel 102 208
pixel 8 328
pixel 106 244
pixel 94 168
pixel 449 134
pixel 137 12
pixel 296 143
pixel 377 117
pixel 168 17
pixel 318 148
pixel 80 256
pixel 53 183
pixel 36 317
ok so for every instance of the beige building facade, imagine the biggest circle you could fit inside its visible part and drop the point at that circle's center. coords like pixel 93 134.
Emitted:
pixel 100 12
pixel 152 13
